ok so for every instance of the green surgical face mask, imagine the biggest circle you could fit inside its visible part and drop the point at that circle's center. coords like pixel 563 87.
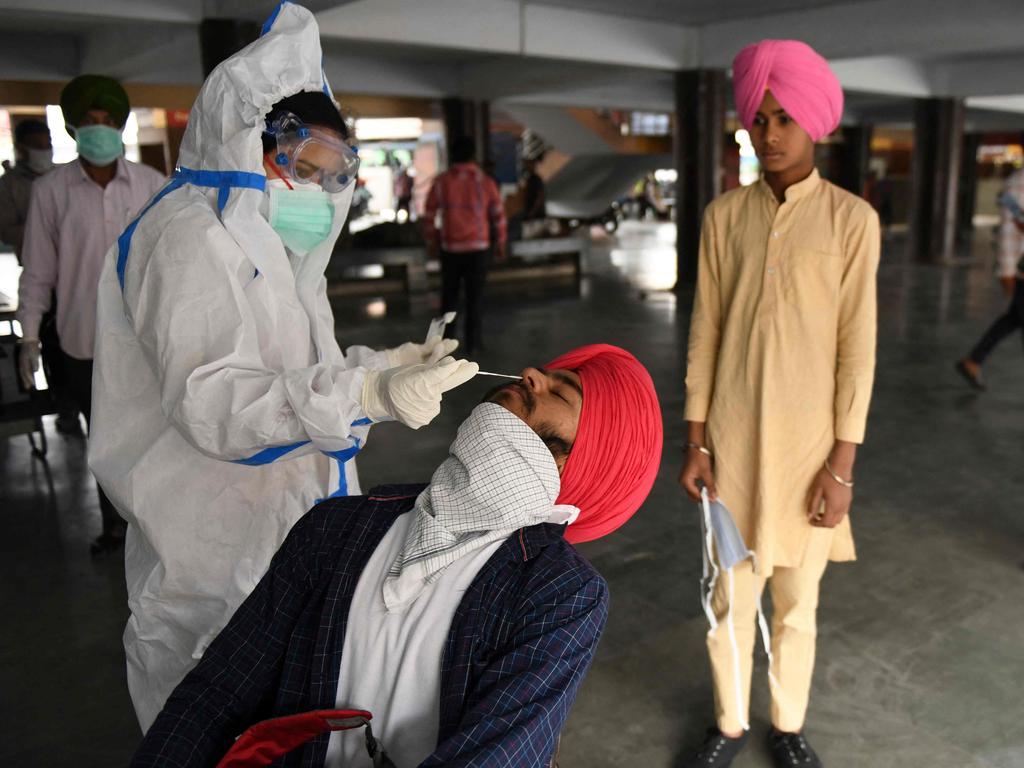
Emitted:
pixel 302 218
pixel 99 144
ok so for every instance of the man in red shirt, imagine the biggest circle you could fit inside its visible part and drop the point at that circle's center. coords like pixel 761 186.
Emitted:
pixel 472 221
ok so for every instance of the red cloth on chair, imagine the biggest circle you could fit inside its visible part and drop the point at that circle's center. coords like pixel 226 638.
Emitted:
pixel 266 741
pixel 617 451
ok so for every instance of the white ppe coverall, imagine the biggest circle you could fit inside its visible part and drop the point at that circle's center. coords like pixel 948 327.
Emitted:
pixel 223 407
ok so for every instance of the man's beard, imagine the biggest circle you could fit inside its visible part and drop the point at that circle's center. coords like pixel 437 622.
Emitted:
pixel 503 392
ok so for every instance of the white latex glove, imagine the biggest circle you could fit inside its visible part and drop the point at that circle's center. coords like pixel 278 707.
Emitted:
pixel 411 394
pixel 28 362
pixel 412 353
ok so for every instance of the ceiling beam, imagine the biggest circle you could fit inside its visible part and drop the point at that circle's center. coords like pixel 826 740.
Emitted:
pixel 910 28
pixel 152 54
pixel 31 56
pixel 173 11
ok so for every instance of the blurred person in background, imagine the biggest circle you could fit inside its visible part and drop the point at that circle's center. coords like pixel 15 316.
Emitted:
pixel 76 213
pixel 472 226
pixel 403 193
pixel 33 151
pixel 534 192
pixel 1010 270
pixel 33 156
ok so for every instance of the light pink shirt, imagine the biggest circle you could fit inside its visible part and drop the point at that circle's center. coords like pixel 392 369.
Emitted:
pixel 72 222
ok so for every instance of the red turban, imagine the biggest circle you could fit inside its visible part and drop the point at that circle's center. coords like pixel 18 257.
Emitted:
pixel 798 77
pixel 615 457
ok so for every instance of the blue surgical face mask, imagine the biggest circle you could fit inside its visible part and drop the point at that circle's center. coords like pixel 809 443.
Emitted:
pixel 303 218
pixel 99 144
pixel 729 545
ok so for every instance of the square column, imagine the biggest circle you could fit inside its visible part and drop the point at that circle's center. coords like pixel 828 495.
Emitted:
pixel 468 118
pixel 855 153
pixel 938 144
pixel 221 38
pixel 699 128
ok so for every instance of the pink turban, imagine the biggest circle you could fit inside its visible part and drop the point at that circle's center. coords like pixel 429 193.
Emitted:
pixel 798 77
pixel 615 457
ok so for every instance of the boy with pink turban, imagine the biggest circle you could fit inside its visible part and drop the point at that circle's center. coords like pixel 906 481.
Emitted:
pixel 458 614
pixel 779 375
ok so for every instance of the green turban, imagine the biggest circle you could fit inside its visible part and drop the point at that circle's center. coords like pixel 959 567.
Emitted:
pixel 94 92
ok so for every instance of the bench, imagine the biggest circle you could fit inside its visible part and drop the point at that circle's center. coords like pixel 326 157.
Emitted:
pixel 372 271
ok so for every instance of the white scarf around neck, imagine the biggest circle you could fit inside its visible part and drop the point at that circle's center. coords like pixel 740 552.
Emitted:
pixel 499 477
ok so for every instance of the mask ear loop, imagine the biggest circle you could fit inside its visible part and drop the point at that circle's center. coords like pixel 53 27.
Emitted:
pixel 280 175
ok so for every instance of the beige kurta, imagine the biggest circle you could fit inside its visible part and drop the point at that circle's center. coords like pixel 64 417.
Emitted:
pixel 782 352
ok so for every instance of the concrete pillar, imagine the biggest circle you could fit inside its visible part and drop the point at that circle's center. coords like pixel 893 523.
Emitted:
pixel 854 155
pixel 968 186
pixel 699 130
pixel 938 146
pixel 482 132
pixel 220 38
pixel 468 118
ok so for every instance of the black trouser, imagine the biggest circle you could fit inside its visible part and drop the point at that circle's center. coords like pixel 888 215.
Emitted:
pixel 1010 321
pixel 79 379
pixel 470 267
pixel 53 365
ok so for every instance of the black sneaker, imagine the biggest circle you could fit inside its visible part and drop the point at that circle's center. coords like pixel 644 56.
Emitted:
pixel 791 749
pixel 717 751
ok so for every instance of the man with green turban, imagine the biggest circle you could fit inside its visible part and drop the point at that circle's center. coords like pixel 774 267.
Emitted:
pixel 90 92
pixel 76 213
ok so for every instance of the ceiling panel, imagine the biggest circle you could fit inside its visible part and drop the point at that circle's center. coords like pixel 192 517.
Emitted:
pixel 693 11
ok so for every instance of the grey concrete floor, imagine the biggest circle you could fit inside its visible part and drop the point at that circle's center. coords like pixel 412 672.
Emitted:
pixel 921 647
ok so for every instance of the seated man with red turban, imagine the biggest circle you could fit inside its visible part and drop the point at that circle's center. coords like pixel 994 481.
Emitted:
pixel 458 616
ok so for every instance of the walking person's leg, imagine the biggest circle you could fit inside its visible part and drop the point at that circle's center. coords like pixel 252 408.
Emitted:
pixel 451 284
pixel 56 375
pixel 80 385
pixel 1004 325
pixel 1018 306
pixel 477 265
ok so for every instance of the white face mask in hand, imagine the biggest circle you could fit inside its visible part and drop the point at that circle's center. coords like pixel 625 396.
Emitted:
pixel 730 548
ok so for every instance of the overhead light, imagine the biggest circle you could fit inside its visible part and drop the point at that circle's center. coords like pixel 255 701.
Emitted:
pixel 378 128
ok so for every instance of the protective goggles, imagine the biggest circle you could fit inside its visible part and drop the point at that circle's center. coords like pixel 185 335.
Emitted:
pixel 313 155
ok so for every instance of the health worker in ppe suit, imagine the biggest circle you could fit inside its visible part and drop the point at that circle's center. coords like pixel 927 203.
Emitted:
pixel 224 407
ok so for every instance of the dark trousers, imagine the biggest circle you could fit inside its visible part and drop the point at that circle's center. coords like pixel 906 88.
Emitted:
pixel 53 366
pixel 470 268
pixel 1005 324
pixel 79 380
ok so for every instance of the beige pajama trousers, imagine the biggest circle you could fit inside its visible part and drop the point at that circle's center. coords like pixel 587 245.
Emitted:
pixel 794 596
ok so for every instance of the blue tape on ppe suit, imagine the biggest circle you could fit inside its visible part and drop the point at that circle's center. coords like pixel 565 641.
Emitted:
pixel 124 242
pixel 271 18
pixel 223 180
pixel 268 455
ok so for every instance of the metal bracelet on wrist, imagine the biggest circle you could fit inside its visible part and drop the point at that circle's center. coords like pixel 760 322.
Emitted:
pixel 700 448
pixel 837 478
